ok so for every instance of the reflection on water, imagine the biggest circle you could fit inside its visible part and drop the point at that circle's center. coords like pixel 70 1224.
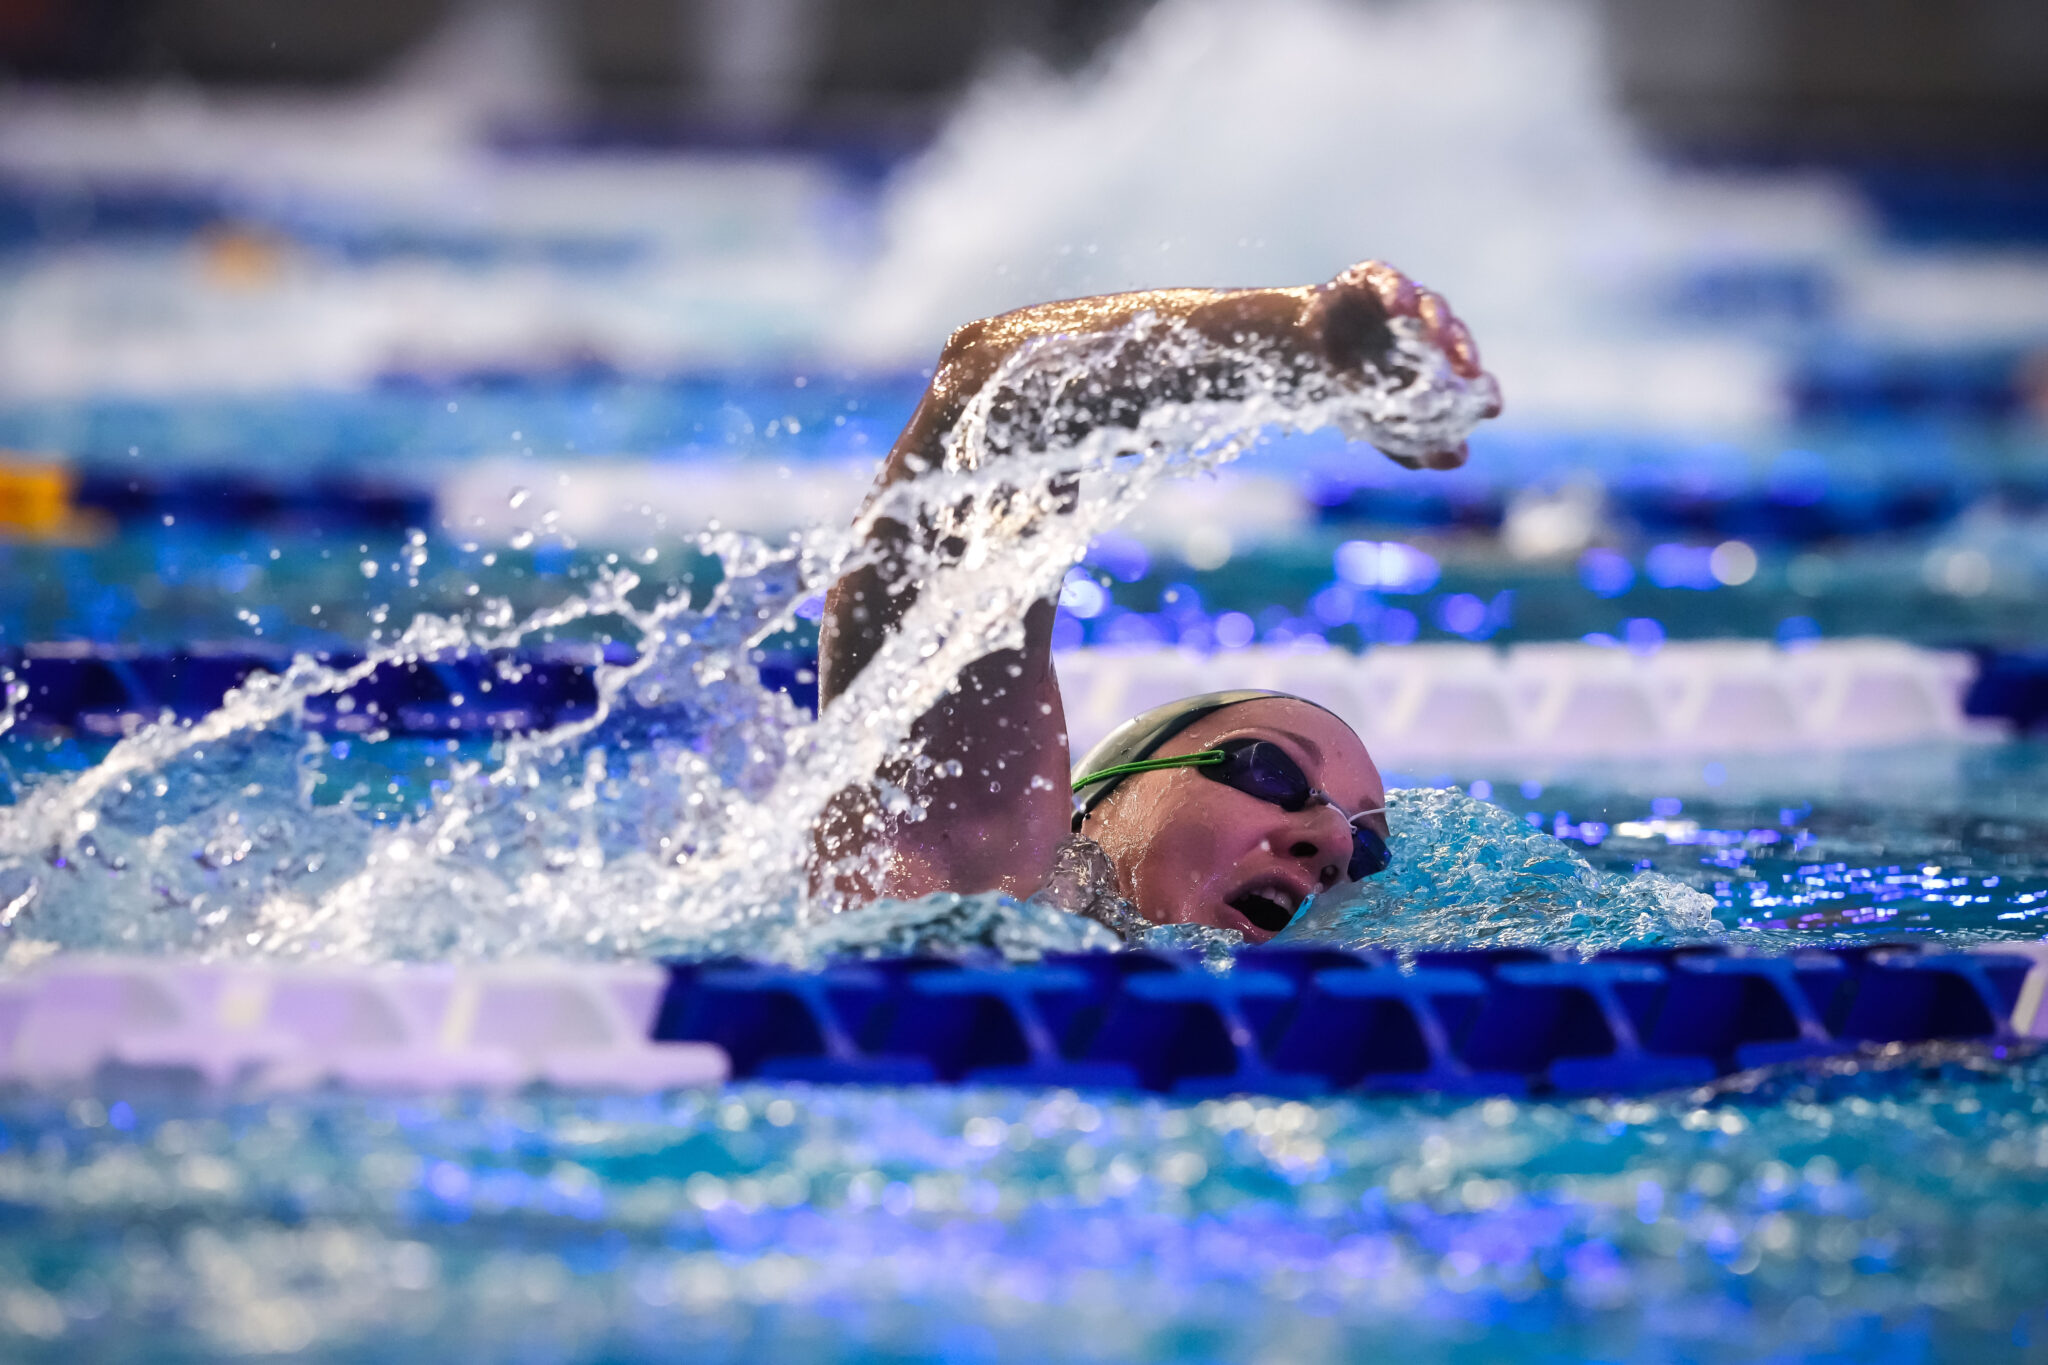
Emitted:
pixel 1874 1211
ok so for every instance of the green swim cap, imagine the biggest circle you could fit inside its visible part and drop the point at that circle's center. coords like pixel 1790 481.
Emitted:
pixel 1138 738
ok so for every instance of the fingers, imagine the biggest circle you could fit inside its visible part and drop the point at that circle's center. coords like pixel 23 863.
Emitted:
pixel 1436 459
pixel 1402 298
pixel 1449 334
pixel 1460 347
pixel 1396 292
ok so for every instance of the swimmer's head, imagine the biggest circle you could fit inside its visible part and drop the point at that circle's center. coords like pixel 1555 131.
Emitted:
pixel 1189 849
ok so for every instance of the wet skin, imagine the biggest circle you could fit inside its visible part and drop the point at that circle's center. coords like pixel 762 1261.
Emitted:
pixel 998 823
pixel 1190 850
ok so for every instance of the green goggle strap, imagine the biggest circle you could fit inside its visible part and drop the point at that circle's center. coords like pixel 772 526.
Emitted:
pixel 1201 758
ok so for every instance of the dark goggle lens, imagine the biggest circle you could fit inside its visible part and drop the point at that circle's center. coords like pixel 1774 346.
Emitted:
pixel 1369 853
pixel 1261 770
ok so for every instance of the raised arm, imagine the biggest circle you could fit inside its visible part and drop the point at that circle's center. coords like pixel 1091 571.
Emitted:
pixel 994 820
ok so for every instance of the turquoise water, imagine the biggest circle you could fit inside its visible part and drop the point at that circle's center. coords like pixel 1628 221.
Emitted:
pixel 159 587
pixel 1938 839
pixel 1895 1210
pixel 1827 562
pixel 1883 1208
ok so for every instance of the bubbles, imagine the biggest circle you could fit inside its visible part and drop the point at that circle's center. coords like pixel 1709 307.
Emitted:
pixel 1461 614
pixel 1206 547
pixel 1083 596
pixel 679 817
pixel 1795 632
pixel 1606 573
pixel 1733 563
pixel 1682 566
pixel 1962 572
pixel 1234 630
pixel 1388 565
pixel 1467 873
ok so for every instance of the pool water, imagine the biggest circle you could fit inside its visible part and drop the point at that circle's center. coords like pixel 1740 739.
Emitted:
pixel 1941 840
pixel 306 588
pixel 1890 1210
pixel 313 399
pixel 309 511
pixel 1886 1207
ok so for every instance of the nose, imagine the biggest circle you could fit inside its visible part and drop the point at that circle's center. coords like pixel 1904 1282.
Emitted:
pixel 1323 843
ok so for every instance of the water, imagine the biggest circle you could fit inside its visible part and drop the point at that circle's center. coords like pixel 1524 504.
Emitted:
pixel 679 817
pixel 1488 153
pixel 1887 1211
pixel 1883 1209
pixel 1943 840
pixel 1471 873
pixel 1874 1210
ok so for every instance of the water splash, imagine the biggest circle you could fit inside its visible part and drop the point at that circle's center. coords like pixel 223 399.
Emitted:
pixel 1475 140
pixel 1469 874
pixel 678 817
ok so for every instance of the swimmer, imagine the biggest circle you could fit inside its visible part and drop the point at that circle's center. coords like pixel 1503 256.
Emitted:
pixel 1229 809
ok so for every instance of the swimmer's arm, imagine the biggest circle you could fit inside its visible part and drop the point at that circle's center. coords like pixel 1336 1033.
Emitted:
pixel 1341 327
pixel 1338 326
pixel 997 825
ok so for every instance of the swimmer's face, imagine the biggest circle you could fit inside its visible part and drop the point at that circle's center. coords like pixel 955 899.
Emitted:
pixel 1189 850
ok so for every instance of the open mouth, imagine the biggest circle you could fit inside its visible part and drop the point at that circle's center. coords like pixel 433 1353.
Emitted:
pixel 1267 911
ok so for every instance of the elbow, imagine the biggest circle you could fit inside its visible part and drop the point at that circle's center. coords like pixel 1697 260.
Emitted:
pixel 956 357
pixel 964 338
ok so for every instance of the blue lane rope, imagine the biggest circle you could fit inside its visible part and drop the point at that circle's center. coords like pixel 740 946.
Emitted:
pixel 106 689
pixel 1319 1021
pixel 1763 513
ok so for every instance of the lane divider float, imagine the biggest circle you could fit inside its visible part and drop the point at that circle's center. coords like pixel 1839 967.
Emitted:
pixel 1409 702
pixel 1281 1021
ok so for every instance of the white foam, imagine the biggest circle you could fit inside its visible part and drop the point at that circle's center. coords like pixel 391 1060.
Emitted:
pixel 618 500
pixel 718 259
pixel 1474 143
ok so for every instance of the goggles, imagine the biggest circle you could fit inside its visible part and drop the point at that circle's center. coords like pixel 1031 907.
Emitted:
pixel 1266 772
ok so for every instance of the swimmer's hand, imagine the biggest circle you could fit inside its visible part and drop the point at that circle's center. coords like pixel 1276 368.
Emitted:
pixel 1371 321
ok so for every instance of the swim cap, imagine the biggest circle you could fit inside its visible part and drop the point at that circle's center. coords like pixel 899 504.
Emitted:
pixel 1141 736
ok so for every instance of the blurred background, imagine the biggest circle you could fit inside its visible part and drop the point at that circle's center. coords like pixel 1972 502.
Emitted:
pixel 314 315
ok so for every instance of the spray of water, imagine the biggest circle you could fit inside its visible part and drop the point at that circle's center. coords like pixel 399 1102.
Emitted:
pixel 1467 873
pixel 678 817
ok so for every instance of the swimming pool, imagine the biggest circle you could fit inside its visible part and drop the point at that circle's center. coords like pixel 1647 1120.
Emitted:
pixel 1889 1210
pixel 1882 1208
pixel 1875 1208
pixel 301 415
